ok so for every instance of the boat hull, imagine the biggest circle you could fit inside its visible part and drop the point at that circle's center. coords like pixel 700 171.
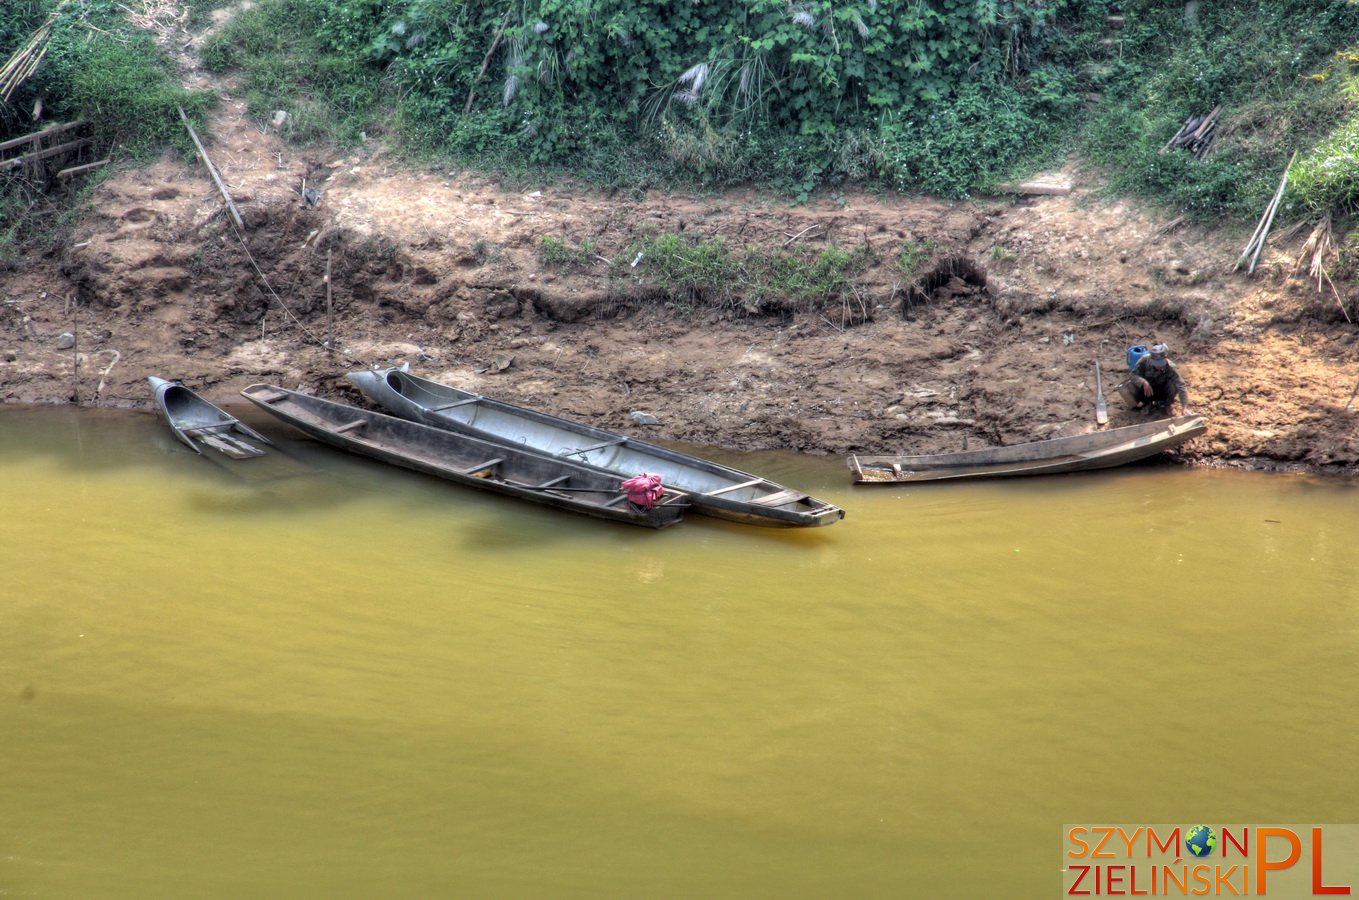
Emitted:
pixel 712 489
pixel 198 424
pixel 462 459
pixel 1079 453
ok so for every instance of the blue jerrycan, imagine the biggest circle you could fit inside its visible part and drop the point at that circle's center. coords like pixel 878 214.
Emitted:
pixel 1136 352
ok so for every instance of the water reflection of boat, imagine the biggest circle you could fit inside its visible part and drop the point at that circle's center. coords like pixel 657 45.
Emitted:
pixel 199 424
pixel 463 459
pixel 1079 453
pixel 713 489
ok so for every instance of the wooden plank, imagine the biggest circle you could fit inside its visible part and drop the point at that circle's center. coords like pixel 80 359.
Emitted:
pixel 484 466
pixel 204 429
pixel 350 426
pixel 780 498
pixel 734 487
pixel 462 402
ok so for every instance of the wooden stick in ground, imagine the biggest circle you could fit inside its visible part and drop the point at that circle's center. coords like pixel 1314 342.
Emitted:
pixel 330 315
pixel 217 179
pixel 486 61
pixel 75 349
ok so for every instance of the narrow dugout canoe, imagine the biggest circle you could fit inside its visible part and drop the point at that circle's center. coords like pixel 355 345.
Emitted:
pixel 199 424
pixel 1082 452
pixel 463 459
pixel 713 489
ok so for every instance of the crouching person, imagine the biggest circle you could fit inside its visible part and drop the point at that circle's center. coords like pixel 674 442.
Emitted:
pixel 1155 384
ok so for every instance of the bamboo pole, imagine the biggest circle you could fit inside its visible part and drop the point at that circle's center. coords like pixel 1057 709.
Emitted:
pixel 39 135
pixel 1257 241
pixel 34 156
pixel 330 313
pixel 76 170
pixel 217 179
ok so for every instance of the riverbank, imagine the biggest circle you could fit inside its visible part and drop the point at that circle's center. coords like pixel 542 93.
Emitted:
pixel 991 340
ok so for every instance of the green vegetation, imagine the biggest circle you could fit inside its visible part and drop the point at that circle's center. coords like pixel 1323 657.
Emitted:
pixel 913 255
pixel 92 66
pixel 923 96
pixel 554 252
pixel 705 273
pixel 306 58
pixel 949 97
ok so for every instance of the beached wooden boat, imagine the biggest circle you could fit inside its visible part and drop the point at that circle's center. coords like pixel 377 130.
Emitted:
pixel 199 424
pixel 712 489
pixel 463 459
pixel 1082 452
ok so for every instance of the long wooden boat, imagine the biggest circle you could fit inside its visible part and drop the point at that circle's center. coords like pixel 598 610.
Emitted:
pixel 1082 452
pixel 463 459
pixel 199 424
pixel 713 489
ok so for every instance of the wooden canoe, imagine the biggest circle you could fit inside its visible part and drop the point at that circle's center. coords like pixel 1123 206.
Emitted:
pixel 1082 452
pixel 712 489
pixel 463 459
pixel 199 424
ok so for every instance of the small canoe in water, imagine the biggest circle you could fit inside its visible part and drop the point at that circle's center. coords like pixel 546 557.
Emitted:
pixel 199 424
pixel 713 489
pixel 463 459
pixel 1079 453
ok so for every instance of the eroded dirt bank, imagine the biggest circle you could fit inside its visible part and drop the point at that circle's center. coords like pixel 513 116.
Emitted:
pixel 993 340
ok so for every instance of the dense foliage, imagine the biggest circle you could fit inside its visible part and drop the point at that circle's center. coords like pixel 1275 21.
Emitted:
pixel 795 94
pixel 943 96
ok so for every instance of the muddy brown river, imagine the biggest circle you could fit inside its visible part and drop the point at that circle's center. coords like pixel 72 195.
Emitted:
pixel 310 675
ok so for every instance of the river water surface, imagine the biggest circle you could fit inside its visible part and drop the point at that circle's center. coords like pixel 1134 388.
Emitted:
pixel 310 675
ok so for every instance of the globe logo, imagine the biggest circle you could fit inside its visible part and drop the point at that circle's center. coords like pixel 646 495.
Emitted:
pixel 1200 840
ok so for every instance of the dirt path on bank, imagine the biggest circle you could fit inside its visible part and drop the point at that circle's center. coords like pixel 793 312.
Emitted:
pixel 993 341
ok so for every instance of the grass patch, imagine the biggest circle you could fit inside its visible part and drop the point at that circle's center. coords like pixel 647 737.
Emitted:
pixel 557 253
pixel 706 273
pixel 303 57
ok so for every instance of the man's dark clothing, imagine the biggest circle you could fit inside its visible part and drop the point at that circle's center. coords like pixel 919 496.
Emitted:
pixel 1166 383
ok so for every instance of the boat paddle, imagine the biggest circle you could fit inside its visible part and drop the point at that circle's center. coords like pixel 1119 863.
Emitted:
pixel 1101 408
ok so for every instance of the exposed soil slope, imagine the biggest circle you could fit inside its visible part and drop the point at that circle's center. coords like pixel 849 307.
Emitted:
pixel 993 341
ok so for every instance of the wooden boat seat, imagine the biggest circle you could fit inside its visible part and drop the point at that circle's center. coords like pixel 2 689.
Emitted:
pixel 206 429
pixel 271 397
pixel 462 402
pixel 780 498
pixel 231 446
pixel 547 484
pixel 350 426
pixel 734 487
pixel 489 464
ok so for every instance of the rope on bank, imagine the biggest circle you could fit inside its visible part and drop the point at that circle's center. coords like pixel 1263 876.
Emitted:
pixel 307 332
pixel 238 226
